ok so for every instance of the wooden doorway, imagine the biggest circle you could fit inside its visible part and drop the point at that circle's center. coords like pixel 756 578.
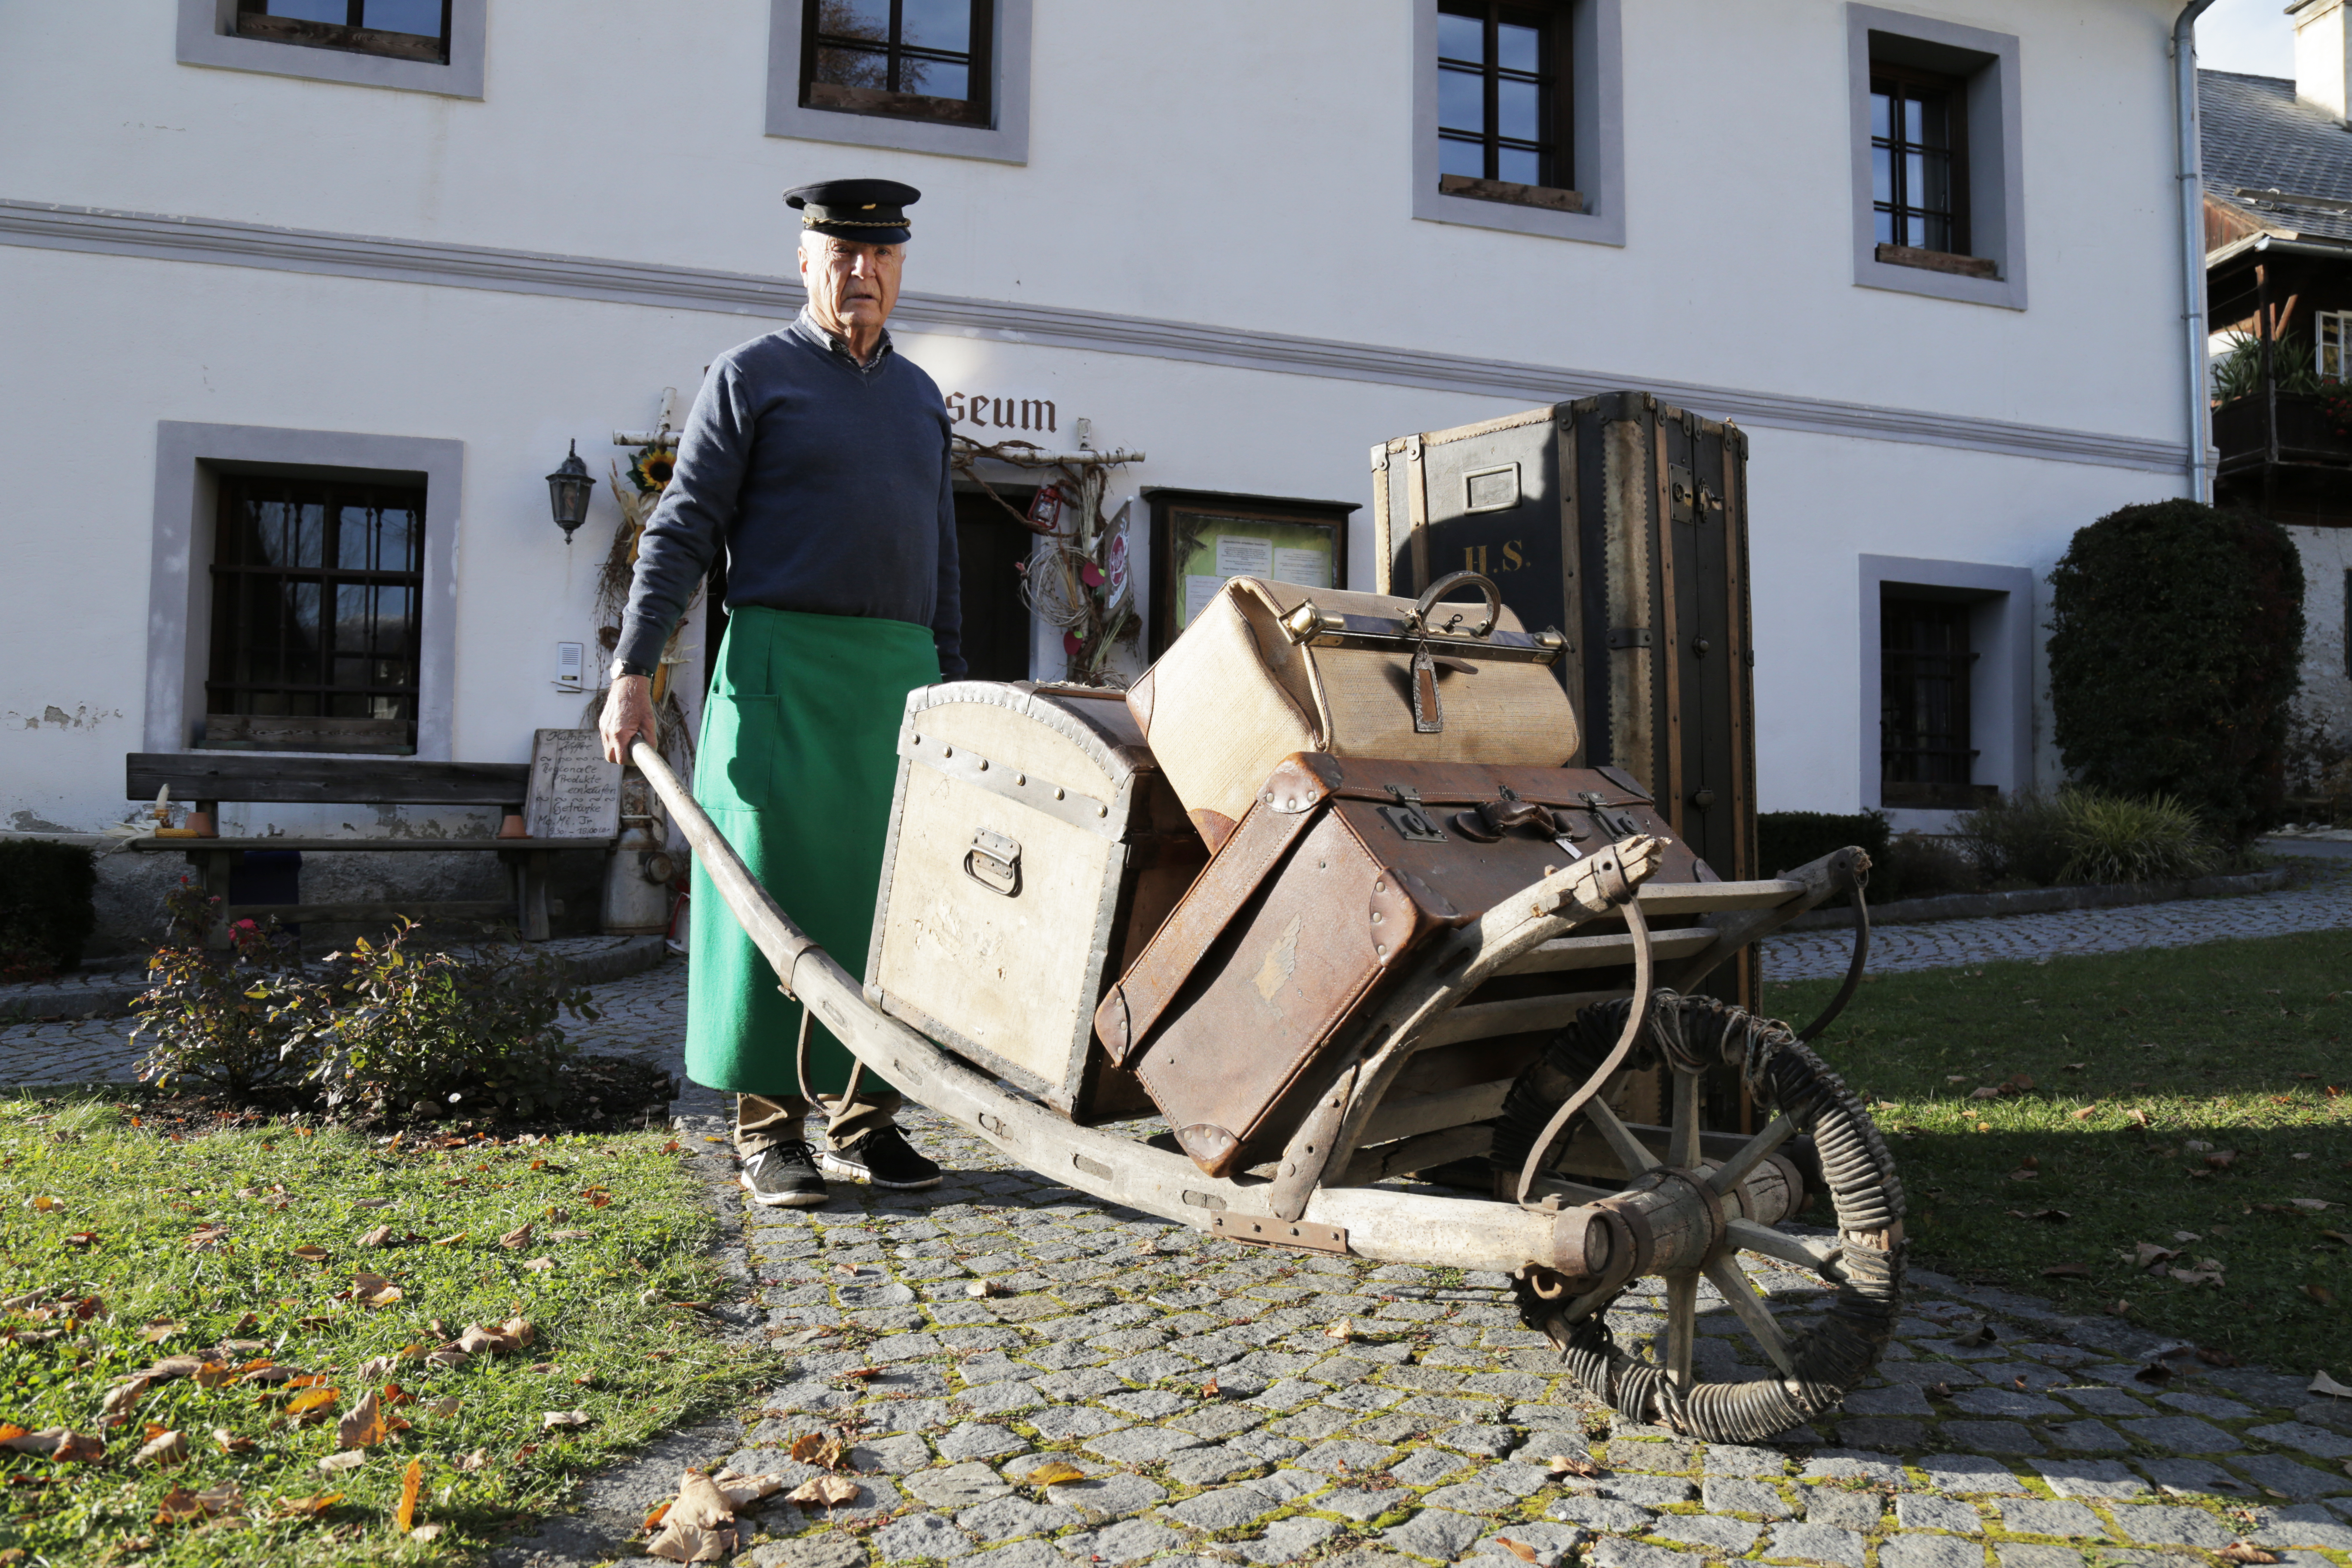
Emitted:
pixel 993 548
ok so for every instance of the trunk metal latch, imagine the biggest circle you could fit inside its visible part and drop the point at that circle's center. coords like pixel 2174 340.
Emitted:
pixel 994 862
pixel 1412 823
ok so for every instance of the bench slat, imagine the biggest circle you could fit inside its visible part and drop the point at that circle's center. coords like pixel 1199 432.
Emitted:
pixel 276 778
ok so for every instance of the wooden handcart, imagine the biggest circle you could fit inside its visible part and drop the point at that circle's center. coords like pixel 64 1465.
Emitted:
pixel 1587 1202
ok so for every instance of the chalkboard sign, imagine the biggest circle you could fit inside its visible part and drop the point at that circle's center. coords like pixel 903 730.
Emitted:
pixel 574 791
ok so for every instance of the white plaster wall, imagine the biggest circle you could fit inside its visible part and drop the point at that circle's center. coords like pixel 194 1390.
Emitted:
pixel 1173 175
pixel 1223 161
pixel 2326 697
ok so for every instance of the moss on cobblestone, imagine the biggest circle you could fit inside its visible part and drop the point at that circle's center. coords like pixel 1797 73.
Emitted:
pixel 2198 1098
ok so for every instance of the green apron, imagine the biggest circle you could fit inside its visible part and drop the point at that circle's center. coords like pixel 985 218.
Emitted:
pixel 798 763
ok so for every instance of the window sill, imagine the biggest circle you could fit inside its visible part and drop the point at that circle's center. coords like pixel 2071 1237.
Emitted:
pixel 894 105
pixel 1550 198
pixel 350 40
pixel 272 733
pixel 1937 797
pixel 1939 261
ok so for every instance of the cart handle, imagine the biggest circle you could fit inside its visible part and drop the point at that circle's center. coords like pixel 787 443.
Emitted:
pixel 1637 1019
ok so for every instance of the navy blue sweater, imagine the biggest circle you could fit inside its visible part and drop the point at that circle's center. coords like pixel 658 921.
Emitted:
pixel 827 483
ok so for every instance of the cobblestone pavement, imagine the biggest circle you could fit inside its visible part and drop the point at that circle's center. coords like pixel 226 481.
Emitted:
pixel 1217 1410
pixel 2322 901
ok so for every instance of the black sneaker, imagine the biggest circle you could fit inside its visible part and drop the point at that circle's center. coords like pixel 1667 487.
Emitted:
pixel 782 1176
pixel 882 1158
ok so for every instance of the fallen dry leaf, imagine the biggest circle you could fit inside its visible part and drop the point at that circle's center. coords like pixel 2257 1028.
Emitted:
pixel 427 1532
pixel 412 1480
pixel 1571 1465
pixel 479 1459
pixel 1054 1473
pixel 1518 1548
pixel 699 1502
pixel 1343 1329
pixel 980 1287
pixel 2211 1356
pixel 156 1332
pixel 551 1419
pixel 830 1490
pixel 744 1491
pixel 313 1401
pixel 538 1265
pixel 519 1236
pixel 348 1459
pixel 2311 1203
pixel 1982 1334
pixel 312 1254
pixel 452 1239
pixel 2087 1113
pixel 442 1408
pixel 2244 1552
pixel 1209 1390
pixel 2067 1271
pixel 164 1449
pixel 367 1424
pixel 2136 1115
pixel 379 1237
pixel 682 1542
pixel 2321 1294
pixel 57 1442
pixel 374 1290
pixel 2150 1255
pixel 229 1442
pixel 2118 1309
pixel 309 1507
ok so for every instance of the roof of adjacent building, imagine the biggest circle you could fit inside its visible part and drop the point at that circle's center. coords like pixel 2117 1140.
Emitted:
pixel 2281 165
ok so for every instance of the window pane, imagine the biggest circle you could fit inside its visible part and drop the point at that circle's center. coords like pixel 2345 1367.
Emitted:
pixel 1461 37
pixel 405 16
pixel 1884 226
pixel 1882 116
pixel 1906 116
pixel 1520 167
pixel 1882 175
pixel 1930 121
pixel 1914 179
pixel 1518 49
pixel 853 68
pixel 309 541
pixel 1462 102
pixel 334 11
pixel 1518 110
pixel 935 79
pixel 351 538
pixel 1457 157
pixel 1934 189
pixel 944 25
pixel 854 20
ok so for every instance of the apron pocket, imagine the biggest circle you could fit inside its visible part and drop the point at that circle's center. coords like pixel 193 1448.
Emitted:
pixel 737 765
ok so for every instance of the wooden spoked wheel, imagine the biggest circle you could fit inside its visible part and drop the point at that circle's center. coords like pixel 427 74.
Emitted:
pixel 1682 1218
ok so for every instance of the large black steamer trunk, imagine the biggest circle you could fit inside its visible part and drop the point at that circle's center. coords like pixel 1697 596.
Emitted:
pixel 1621 522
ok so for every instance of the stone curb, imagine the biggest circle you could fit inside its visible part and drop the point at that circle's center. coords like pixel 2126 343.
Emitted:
pixel 2044 900
pixel 94 999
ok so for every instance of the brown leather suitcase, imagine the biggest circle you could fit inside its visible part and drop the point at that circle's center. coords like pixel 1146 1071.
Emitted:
pixel 1339 870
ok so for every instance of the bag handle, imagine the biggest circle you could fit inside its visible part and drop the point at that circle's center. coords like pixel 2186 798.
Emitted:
pixel 1418 617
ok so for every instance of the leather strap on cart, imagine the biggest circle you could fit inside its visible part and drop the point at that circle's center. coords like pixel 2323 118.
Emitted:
pixel 1285 809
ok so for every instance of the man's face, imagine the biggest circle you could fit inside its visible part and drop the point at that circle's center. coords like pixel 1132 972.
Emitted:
pixel 851 284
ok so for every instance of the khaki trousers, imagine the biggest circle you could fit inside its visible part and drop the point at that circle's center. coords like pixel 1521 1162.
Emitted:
pixel 764 1120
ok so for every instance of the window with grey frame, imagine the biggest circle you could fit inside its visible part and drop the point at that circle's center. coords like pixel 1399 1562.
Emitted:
pixel 906 59
pixel 1918 157
pixel 400 29
pixel 316 614
pixel 1504 119
pixel 1923 751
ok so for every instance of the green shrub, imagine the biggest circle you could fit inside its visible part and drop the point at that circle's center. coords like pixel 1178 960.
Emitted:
pixel 377 1033
pixel 47 907
pixel 2175 633
pixel 1788 839
pixel 1928 867
pixel 2118 840
pixel 425 1034
pixel 235 1019
pixel 2239 371
pixel 2019 839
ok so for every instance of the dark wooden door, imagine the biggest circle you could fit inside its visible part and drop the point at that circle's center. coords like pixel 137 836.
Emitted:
pixel 993 547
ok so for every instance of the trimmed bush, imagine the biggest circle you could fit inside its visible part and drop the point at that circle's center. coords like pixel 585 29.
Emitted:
pixel 2018 840
pixel 2175 636
pixel 47 907
pixel 2117 840
pixel 1788 839
pixel 1928 867
pixel 233 1020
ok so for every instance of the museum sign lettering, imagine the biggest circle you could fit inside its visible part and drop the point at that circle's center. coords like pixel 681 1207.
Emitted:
pixel 990 412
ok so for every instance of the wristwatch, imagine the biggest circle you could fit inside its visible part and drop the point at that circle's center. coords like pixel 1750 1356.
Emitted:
pixel 622 667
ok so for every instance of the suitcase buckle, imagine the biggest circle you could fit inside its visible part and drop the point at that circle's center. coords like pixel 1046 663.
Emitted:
pixel 994 862
pixel 1413 825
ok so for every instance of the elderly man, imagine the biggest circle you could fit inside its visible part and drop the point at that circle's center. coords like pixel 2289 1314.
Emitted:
pixel 818 458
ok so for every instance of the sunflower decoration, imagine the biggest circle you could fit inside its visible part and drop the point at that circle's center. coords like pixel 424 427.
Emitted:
pixel 650 470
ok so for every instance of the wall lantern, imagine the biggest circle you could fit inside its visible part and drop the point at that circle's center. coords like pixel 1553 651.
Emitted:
pixel 567 493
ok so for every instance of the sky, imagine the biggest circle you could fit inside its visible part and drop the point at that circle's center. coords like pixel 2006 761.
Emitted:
pixel 2249 36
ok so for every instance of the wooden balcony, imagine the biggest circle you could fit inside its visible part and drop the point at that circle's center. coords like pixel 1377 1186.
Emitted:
pixel 2281 456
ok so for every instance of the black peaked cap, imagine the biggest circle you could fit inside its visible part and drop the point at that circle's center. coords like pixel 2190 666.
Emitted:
pixel 871 210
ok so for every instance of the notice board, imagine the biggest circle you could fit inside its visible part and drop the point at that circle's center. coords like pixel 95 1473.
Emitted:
pixel 574 791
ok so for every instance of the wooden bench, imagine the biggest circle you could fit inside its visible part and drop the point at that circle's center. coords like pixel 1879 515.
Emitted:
pixel 208 778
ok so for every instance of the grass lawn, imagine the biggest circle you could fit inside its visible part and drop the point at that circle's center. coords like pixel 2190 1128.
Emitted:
pixel 244 1250
pixel 2119 1067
